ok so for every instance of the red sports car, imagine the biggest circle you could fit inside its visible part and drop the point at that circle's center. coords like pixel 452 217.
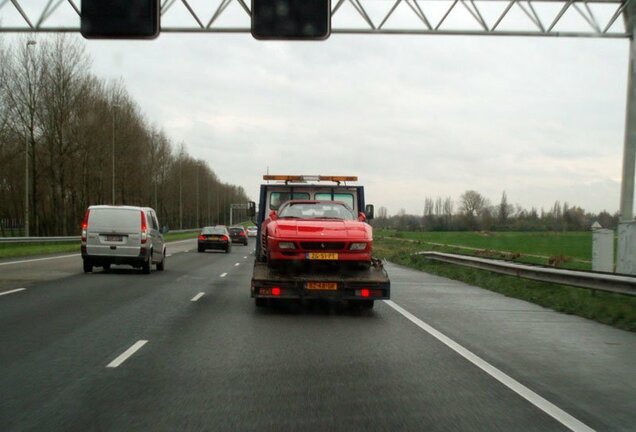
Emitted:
pixel 316 231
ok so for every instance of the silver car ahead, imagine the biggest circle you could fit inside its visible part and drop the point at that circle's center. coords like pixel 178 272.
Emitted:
pixel 122 235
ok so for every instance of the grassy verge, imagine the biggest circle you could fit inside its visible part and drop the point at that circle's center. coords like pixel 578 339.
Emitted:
pixel 30 249
pixel 566 250
pixel 613 309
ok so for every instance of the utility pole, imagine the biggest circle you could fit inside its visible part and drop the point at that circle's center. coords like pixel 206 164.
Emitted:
pixel 180 190
pixel 198 195
pixel 115 106
pixel 30 43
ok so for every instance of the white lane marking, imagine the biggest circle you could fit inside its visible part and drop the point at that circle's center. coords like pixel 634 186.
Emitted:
pixel 197 297
pixel 237 264
pixel 223 274
pixel 12 291
pixel 68 256
pixel 39 259
pixel 187 250
pixel 544 405
pixel 130 351
pixel 168 255
pixel 244 257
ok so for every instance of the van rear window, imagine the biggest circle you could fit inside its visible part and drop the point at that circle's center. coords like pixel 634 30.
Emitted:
pixel 114 219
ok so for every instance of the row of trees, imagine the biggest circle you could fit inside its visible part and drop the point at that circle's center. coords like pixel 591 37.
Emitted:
pixel 473 212
pixel 84 141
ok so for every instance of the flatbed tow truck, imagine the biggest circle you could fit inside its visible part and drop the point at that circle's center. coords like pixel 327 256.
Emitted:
pixel 358 285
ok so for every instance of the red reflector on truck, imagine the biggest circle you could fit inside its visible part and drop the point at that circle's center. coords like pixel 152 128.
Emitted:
pixel 366 292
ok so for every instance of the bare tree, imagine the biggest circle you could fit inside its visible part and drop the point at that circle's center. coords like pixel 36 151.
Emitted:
pixel 472 202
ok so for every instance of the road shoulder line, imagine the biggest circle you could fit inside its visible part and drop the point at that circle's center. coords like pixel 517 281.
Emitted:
pixel 544 405
pixel 12 291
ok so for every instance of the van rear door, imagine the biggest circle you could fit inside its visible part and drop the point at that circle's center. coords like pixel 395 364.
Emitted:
pixel 114 232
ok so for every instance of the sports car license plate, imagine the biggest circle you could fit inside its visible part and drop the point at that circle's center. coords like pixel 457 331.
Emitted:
pixel 325 286
pixel 322 256
pixel 213 237
pixel 113 238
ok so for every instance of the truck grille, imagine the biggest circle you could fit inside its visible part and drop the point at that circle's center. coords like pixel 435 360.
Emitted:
pixel 322 246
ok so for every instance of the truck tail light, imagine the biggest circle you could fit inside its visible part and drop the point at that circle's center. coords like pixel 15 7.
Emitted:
pixel 366 292
pixel 85 224
pixel 144 228
pixel 275 291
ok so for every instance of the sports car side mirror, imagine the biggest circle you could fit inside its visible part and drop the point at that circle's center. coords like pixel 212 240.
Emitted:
pixel 273 215
pixel 362 217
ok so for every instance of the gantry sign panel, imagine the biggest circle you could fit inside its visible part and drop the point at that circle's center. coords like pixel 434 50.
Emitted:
pixel 572 18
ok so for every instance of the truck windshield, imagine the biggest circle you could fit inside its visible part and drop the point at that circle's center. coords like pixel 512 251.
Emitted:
pixel 316 210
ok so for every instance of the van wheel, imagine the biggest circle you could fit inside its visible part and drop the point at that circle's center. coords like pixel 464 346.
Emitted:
pixel 88 266
pixel 145 267
pixel 162 265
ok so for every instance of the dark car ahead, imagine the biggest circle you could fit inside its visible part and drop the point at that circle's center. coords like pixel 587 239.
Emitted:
pixel 238 234
pixel 216 237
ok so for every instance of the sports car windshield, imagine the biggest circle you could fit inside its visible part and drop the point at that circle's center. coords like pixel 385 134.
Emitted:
pixel 318 210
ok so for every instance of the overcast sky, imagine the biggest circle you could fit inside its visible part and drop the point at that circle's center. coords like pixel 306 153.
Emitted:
pixel 412 116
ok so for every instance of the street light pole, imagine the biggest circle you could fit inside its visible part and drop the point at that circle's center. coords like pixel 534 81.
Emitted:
pixel 29 43
pixel 115 106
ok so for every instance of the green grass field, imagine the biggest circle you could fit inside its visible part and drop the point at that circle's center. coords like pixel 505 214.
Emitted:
pixel 613 309
pixel 534 247
pixel 9 250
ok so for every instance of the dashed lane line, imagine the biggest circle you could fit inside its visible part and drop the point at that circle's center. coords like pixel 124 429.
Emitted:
pixel 237 264
pixel 124 356
pixel 544 405
pixel 223 274
pixel 197 297
pixel 12 291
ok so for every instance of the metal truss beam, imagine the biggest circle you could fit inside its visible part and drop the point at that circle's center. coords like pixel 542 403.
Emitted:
pixel 415 17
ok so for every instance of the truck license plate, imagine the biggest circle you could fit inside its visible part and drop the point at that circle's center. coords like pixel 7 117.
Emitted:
pixel 324 286
pixel 322 256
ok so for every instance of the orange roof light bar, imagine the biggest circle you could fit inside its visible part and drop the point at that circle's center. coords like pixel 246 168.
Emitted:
pixel 289 178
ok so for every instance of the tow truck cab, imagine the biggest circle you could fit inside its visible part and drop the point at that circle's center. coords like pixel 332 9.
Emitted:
pixel 317 280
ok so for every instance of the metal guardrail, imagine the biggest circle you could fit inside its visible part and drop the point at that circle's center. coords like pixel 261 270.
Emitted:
pixel 620 284
pixel 64 239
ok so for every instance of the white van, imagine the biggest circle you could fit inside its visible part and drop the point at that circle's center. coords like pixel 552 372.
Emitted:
pixel 122 235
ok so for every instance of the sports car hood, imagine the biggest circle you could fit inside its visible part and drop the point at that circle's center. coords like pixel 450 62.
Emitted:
pixel 323 229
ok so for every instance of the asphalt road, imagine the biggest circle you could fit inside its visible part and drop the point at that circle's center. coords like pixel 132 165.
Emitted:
pixel 186 349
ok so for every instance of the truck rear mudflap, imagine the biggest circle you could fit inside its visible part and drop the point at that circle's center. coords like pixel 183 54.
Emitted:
pixel 367 284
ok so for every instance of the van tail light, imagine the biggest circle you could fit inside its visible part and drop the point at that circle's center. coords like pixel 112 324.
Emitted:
pixel 85 225
pixel 144 228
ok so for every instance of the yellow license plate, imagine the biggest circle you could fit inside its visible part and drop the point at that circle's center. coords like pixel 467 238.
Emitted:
pixel 325 286
pixel 322 256
pixel 213 237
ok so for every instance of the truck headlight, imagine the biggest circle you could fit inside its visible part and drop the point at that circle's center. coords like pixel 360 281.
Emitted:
pixel 286 245
pixel 358 246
